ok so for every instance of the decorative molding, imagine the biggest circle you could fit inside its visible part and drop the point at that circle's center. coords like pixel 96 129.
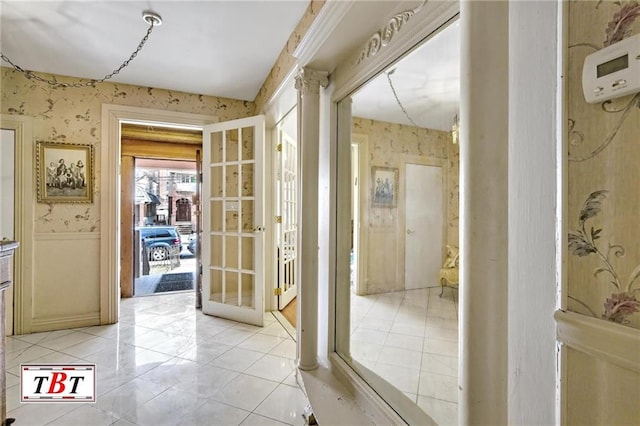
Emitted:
pixel 322 27
pixel 308 81
pixel 605 340
pixel 383 37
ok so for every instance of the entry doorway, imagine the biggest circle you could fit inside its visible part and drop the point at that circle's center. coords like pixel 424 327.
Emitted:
pixel 115 118
pixel 159 203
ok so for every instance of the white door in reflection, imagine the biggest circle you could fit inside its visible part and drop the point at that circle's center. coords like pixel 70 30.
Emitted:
pixel 424 225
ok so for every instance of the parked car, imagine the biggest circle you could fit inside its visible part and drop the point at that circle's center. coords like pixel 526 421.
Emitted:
pixel 193 241
pixel 160 241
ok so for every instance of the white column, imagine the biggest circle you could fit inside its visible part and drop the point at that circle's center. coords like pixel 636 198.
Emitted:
pixel 308 83
pixel 534 152
pixel 484 191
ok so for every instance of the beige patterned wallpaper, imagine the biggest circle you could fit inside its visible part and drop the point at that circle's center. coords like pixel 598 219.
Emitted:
pixel 393 145
pixel 73 115
pixel 603 175
pixel 453 194
pixel 286 61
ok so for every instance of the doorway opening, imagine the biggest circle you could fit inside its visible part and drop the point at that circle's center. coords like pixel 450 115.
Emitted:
pixel 285 200
pixel 159 203
pixel 164 226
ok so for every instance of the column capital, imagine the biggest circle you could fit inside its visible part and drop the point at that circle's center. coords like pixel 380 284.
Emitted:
pixel 309 80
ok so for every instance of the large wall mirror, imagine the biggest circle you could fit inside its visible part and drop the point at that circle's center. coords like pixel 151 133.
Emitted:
pixel 397 322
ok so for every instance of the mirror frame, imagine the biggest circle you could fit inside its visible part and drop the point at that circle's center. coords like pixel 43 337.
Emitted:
pixel 352 74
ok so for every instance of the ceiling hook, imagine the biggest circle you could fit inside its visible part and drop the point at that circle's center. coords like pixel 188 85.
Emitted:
pixel 151 18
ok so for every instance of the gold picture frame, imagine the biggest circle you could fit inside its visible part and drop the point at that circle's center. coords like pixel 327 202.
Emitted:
pixel 384 187
pixel 64 172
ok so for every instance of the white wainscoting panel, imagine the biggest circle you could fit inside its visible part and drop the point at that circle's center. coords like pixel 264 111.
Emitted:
pixel 66 290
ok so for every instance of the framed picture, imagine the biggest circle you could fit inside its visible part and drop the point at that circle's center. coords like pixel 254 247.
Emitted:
pixel 385 187
pixel 64 172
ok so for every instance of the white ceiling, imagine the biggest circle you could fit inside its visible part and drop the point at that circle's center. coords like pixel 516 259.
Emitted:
pixel 220 48
pixel 213 47
pixel 427 83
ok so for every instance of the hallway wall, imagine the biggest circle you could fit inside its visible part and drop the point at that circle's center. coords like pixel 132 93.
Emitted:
pixel 64 282
pixel 603 258
pixel 392 145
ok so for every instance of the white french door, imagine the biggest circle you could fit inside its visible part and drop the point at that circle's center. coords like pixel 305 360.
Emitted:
pixel 233 220
pixel 287 237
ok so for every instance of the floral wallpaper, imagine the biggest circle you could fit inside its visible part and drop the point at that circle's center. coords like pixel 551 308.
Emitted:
pixel 74 115
pixel 286 61
pixel 453 198
pixel 391 145
pixel 603 263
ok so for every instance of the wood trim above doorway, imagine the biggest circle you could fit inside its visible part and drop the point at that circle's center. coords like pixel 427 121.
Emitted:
pixel 159 149
pixel 160 134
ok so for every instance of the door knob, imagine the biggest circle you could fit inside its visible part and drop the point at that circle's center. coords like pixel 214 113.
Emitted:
pixel 409 232
pixel 258 229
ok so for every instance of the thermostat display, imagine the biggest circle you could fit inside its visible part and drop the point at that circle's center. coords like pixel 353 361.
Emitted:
pixel 613 65
pixel 612 72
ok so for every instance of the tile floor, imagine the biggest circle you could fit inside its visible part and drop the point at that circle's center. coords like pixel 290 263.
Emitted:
pixel 410 338
pixel 165 363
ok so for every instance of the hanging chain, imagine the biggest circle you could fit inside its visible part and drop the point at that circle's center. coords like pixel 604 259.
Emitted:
pixel 90 83
pixel 398 99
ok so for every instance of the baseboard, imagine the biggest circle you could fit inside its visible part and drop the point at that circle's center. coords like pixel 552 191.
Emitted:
pixel 77 321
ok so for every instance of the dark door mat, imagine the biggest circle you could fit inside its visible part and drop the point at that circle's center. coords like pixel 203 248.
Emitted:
pixel 175 282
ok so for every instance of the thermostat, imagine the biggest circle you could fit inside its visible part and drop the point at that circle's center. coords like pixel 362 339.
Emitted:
pixel 612 72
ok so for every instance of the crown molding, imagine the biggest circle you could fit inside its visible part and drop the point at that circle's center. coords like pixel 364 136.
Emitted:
pixel 325 23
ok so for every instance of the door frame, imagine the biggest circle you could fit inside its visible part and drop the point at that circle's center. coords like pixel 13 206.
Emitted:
pixel 283 100
pixel 362 141
pixel 128 157
pixel 112 117
pixel 276 194
pixel 23 282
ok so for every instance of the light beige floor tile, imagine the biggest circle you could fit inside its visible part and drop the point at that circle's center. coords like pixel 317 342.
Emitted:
pixel 213 412
pixel 285 404
pixel 85 415
pixel 245 392
pixel 258 420
pixel 271 367
pixel 444 413
pixel 261 343
pixel 438 386
pixel 237 359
